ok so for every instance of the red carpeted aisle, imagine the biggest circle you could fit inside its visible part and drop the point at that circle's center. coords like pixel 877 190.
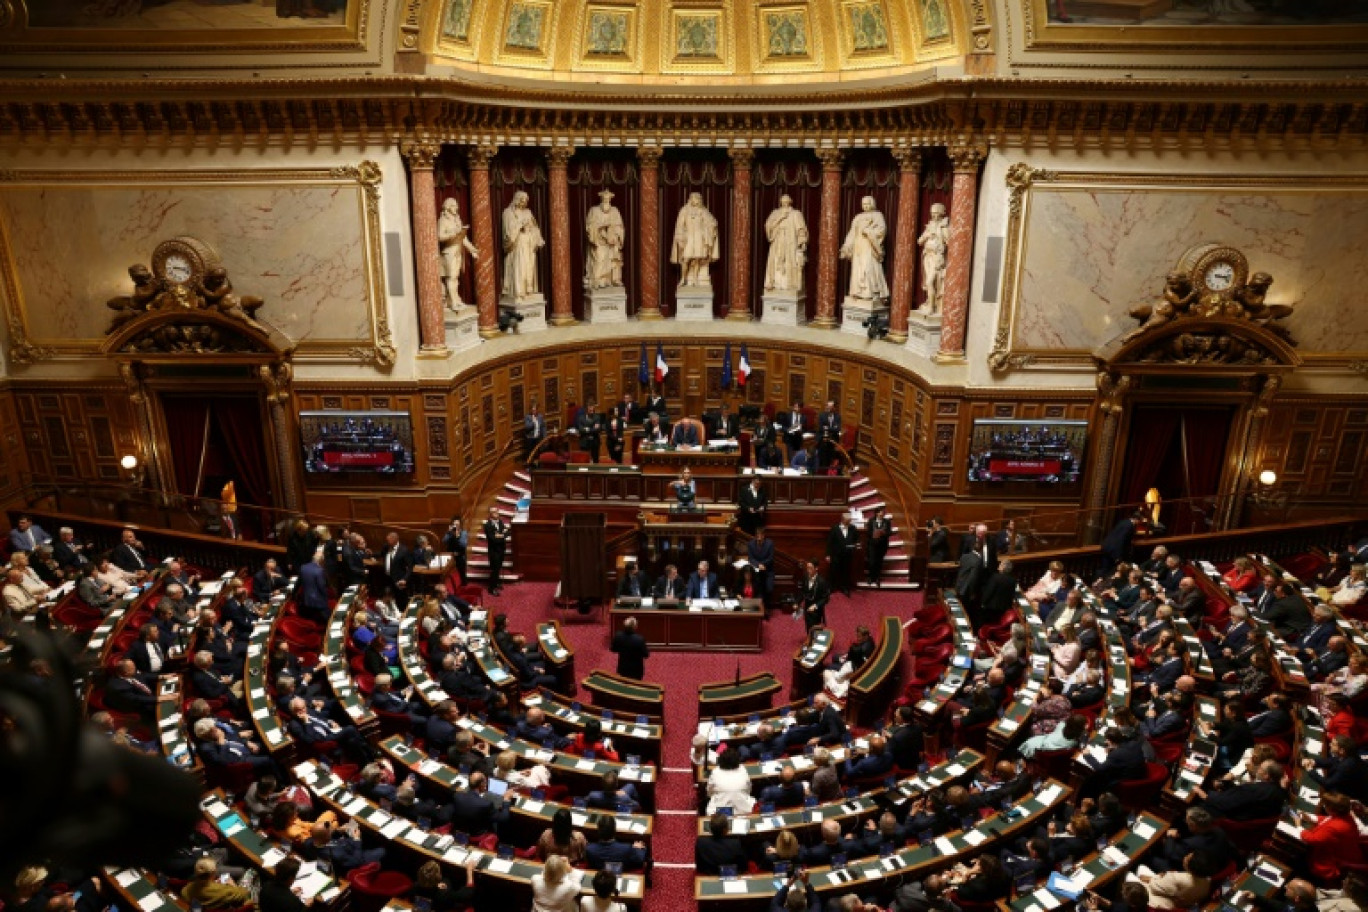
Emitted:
pixel 681 673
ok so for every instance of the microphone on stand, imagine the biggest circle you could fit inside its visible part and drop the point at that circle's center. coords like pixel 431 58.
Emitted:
pixel 738 672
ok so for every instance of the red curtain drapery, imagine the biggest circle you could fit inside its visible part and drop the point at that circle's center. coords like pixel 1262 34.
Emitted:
pixel 1153 432
pixel 515 169
pixel 797 173
pixel 707 172
pixel 187 421
pixel 590 171
pixel 1182 453
pixel 241 425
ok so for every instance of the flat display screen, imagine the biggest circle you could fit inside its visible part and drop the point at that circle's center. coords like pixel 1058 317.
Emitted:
pixel 1044 452
pixel 369 442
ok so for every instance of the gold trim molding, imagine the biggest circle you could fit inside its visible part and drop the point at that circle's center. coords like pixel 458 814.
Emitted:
pixel 1022 180
pixel 365 178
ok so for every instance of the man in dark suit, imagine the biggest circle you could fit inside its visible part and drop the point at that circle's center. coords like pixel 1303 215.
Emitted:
pixel 878 533
pixel 311 594
pixel 1089 692
pixel 1317 638
pixel 474 810
pixel 702 584
pixel 1225 643
pixel 147 653
pixel 630 411
pixel 906 739
pixel 211 685
pixel 354 557
pixel 753 503
pixel 842 541
pixel 1202 836
pixel 268 580
pixel 813 596
pixel 1257 800
pixel 398 563
pixel 1274 720
pixel 998 594
pixel 589 427
pixel 1171 577
pixel 1125 762
pixel 1116 546
pixel 496 533
pixel 829 427
pixel 307 727
pixel 725 425
pixel 937 541
pixel 869 763
pixel 787 792
pixel 1335 657
pixel 794 426
pixel 606 849
pixel 217 747
pixel 1287 615
pixel 130 556
pixel 832 724
pixel 1190 601
pixel 127 692
pixel 634 583
pixel 684 434
pixel 534 428
pixel 760 554
pixel 67 551
pixel 657 429
pixel 655 402
pixel 534 728
pixel 718 848
pixel 671 585
pixel 1344 771
pixel 631 649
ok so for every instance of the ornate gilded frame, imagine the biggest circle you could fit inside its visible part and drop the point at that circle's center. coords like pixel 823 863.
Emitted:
pixel 1022 182
pixel 365 178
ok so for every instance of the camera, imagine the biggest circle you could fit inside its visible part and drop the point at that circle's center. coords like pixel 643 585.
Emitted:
pixel 508 320
pixel 876 326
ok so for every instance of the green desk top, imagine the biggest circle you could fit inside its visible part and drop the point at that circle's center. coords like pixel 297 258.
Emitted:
pixel 619 728
pixel 1118 689
pixel 755 685
pixel 1191 773
pixel 1023 702
pixel 957 672
pixel 262 850
pixel 141 887
pixel 170 726
pixel 257 689
pixel 552 646
pixel 335 654
pixel 885 657
pixel 637 690
pixel 814 652
pixel 1099 868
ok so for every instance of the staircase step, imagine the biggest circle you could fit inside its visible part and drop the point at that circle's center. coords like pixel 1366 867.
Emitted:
pixel 523 476
pixel 506 499
pixel 516 491
pixel 901 585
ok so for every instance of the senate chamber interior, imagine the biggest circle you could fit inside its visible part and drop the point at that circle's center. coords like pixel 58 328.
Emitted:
pixel 672 455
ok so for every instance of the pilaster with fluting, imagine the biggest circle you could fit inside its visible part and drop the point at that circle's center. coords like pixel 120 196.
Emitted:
pixel 905 230
pixel 648 189
pixel 420 157
pixel 482 227
pixel 741 160
pixel 562 307
pixel 829 242
pixel 959 252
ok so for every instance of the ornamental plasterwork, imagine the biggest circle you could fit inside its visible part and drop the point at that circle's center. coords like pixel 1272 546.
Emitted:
pixel 696 35
pixel 868 27
pixel 526 22
pixel 935 20
pixel 456 20
pixel 786 33
pixel 608 33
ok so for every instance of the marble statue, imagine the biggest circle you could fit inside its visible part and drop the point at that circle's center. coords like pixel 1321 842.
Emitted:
pixel 603 260
pixel 453 243
pixel 934 241
pixel 521 241
pixel 695 243
pixel 864 247
pixel 788 236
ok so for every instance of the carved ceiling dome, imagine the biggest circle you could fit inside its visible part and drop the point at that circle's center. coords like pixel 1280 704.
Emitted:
pixel 704 44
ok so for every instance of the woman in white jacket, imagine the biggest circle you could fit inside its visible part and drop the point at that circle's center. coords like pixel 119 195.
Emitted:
pixel 729 785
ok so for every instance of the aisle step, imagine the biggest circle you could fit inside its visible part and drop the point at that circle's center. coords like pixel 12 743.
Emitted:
pixel 522 476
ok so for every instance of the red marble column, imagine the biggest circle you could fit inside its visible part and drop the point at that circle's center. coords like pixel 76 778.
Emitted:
pixel 740 308
pixel 420 157
pixel 648 188
pixel 905 259
pixel 830 238
pixel 959 253
pixel 485 238
pixel 562 308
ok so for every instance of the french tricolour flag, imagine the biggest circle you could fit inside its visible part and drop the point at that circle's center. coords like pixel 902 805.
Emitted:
pixel 661 368
pixel 743 369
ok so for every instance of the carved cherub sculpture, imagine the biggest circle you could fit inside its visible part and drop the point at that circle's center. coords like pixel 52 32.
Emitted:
pixel 1251 298
pixel 145 290
pixel 1178 297
pixel 217 291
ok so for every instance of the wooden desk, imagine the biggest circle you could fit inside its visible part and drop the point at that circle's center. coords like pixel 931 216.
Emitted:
pixel 877 675
pixel 630 737
pixel 749 694
pixel 626 694
pixel 957 672
pixel 560 658
pixel 671 626
pixel 138 889
pixel 171 728
pixel 809 661
pixel 258 693
pixel 1096 868
pixel 701 461
pixel 686 538
pixel 1007 729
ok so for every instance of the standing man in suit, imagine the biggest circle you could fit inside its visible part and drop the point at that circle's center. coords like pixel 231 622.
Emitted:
pixel 589 426
pixel 354 555
pixel 878 533
pixel 753 504
pixel 794 427
pixel 702 584
pixel 631 649
pixel 455 542
pixel 655 402
pixel 813 595
pixel 684 434
pixel 828 430
pixel 937 541
pixel 1116 547
pixel 398 569
pixel 496 533
pixel 841 543
pixel 312 595
pixel 130 556
pixel 671 585
pixel 760 554
pixel 534 429
pixel 617 434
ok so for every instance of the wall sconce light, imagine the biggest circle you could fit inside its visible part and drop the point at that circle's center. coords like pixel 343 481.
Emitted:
pixel 133 470
pixel 1265 496
pixel 1268 478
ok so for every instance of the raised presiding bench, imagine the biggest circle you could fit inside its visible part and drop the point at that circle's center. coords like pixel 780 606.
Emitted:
pixel 703 460
pixel 878 675
pixel 712 625
pixel 625 694
pixel 744 695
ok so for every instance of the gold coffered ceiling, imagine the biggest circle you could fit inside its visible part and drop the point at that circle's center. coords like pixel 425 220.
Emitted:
pixel 695 42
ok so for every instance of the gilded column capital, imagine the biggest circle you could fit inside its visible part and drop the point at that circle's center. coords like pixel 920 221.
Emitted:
pixel 649 156
pixel 967 158
pixel 741 157
pixel 481 155
pixel 908 159
pixel 559 156
pixel 831 159
pixel 420 154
